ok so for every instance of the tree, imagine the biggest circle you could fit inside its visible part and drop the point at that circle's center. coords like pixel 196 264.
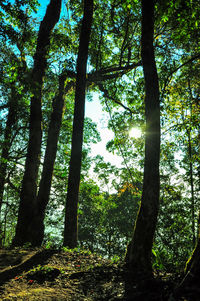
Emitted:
pixel 10 124
pixel 182 122
pixel 105 220
pixel 192 276
pixel 15 28
pixel 115 73
pixel 49 160
pixel 27 208
pixel 70 232
pixel 138 257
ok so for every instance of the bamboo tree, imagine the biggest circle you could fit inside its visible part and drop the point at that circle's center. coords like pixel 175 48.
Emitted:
pixel 71 226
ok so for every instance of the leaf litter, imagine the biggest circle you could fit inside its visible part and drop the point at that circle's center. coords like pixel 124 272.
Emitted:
pixel 73 275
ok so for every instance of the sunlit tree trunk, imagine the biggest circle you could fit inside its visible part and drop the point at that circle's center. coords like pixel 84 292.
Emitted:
pixel 71 223
pixel 191 168
pixel 27 207
pixel 139 252
pixel 191 186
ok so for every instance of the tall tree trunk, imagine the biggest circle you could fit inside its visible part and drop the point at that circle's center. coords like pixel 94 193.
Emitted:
pixel 192 271
pixel 27 207
pixel 191 186
pixel 11 120
pixel 49 160
pixel 10 123
pixel 139 252
pixel 71 226
pixel 192 268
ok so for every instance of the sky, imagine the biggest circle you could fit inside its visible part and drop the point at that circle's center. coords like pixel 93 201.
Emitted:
pixel 43 7
pixel 93 108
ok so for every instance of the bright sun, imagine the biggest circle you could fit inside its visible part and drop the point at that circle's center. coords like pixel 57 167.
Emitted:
pixel 135 133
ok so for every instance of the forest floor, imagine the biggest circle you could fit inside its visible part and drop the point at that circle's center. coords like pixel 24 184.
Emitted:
pixel 41 274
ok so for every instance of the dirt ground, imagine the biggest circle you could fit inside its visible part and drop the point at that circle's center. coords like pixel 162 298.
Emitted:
pixel 40 274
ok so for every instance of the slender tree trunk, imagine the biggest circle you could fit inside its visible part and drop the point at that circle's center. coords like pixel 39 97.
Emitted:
pixel 49 160
pixel 71 225
pixel 139 252
pixel 191 186
pixel 27 207
pixel 10 123
pixel 192 271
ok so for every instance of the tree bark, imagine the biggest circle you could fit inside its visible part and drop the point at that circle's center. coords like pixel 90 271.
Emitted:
pixel 192 271
pixel 191 187
pixel 71 223
pixel 139 252
pixel 49 160
pixel 27 207
pixel 10 123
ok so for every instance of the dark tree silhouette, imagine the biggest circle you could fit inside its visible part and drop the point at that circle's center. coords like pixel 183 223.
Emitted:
pixel 70 232
pixel 27 208
pixel 139 252
pixel 49 159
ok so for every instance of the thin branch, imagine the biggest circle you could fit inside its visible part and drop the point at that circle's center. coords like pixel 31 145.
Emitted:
pixel 177 68
pixel 187 62
pixel 4 107
pixel 106 95
pixel 119 145
pixel 123 47
pixel 12 185
pixel 17 132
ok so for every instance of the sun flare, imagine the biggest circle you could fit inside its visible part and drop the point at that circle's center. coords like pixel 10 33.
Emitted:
pixel 135 133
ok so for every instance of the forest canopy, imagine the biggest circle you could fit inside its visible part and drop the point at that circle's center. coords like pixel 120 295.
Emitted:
pixel 142 59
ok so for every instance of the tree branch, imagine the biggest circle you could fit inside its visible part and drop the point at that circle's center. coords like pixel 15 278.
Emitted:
pixel 106 95
pixel 4 107
pixel 103 74
pixel 179 67
pixel 12 185
pixel 116 68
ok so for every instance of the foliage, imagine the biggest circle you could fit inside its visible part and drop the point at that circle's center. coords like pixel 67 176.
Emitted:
pixel 106 221
pixel 109 194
